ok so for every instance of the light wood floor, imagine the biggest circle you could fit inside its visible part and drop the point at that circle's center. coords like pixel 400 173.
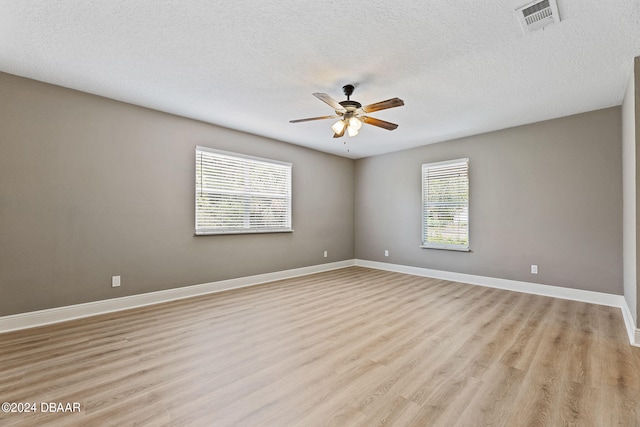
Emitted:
pixel 351 347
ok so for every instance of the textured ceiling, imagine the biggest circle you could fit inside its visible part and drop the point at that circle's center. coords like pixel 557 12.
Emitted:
pixel 462 67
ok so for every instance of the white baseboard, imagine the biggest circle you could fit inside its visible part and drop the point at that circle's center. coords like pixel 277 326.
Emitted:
pixel 62 314
pixel 600 298
pixel 632 331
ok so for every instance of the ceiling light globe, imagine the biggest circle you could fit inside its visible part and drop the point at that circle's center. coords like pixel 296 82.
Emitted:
pixel 338 126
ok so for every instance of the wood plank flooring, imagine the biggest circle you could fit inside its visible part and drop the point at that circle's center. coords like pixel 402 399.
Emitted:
pixel 350 347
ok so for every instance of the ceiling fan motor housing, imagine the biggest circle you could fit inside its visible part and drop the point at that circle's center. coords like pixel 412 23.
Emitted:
pixel 350 106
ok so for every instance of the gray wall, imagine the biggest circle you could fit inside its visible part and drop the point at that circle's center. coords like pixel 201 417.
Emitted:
pixel 91 187
pixel 548 193
pixel 636 68
pixel 630 113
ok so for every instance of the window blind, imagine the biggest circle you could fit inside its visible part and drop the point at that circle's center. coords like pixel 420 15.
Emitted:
pixel 241 194
pixel 445 205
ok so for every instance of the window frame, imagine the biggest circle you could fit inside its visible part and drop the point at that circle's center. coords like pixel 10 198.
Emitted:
pixel 205 231
pixel 444 246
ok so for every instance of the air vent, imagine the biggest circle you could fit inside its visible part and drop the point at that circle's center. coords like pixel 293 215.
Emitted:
pixel 537 15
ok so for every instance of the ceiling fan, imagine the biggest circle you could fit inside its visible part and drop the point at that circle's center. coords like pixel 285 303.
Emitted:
pixel 351 113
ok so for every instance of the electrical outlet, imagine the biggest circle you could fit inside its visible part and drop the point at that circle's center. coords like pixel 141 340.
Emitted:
pixel 325 254
pixel 534 269
pixel 115 281
pixel 386 252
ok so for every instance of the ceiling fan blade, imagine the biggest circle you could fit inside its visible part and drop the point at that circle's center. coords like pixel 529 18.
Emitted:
pixel 383 105
pixel 378 122
pixel 313 118
pixel 330 101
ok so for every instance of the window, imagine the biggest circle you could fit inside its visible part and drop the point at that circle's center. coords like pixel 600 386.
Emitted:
pixel 445 205
pixel 241 194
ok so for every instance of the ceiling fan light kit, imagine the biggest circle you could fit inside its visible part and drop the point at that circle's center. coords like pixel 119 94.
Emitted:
pixel 338 127
pixel 351 113
pixel 355 123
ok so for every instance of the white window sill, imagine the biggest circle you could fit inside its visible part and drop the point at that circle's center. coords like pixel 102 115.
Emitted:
pixel 447 248
pixel 219 232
